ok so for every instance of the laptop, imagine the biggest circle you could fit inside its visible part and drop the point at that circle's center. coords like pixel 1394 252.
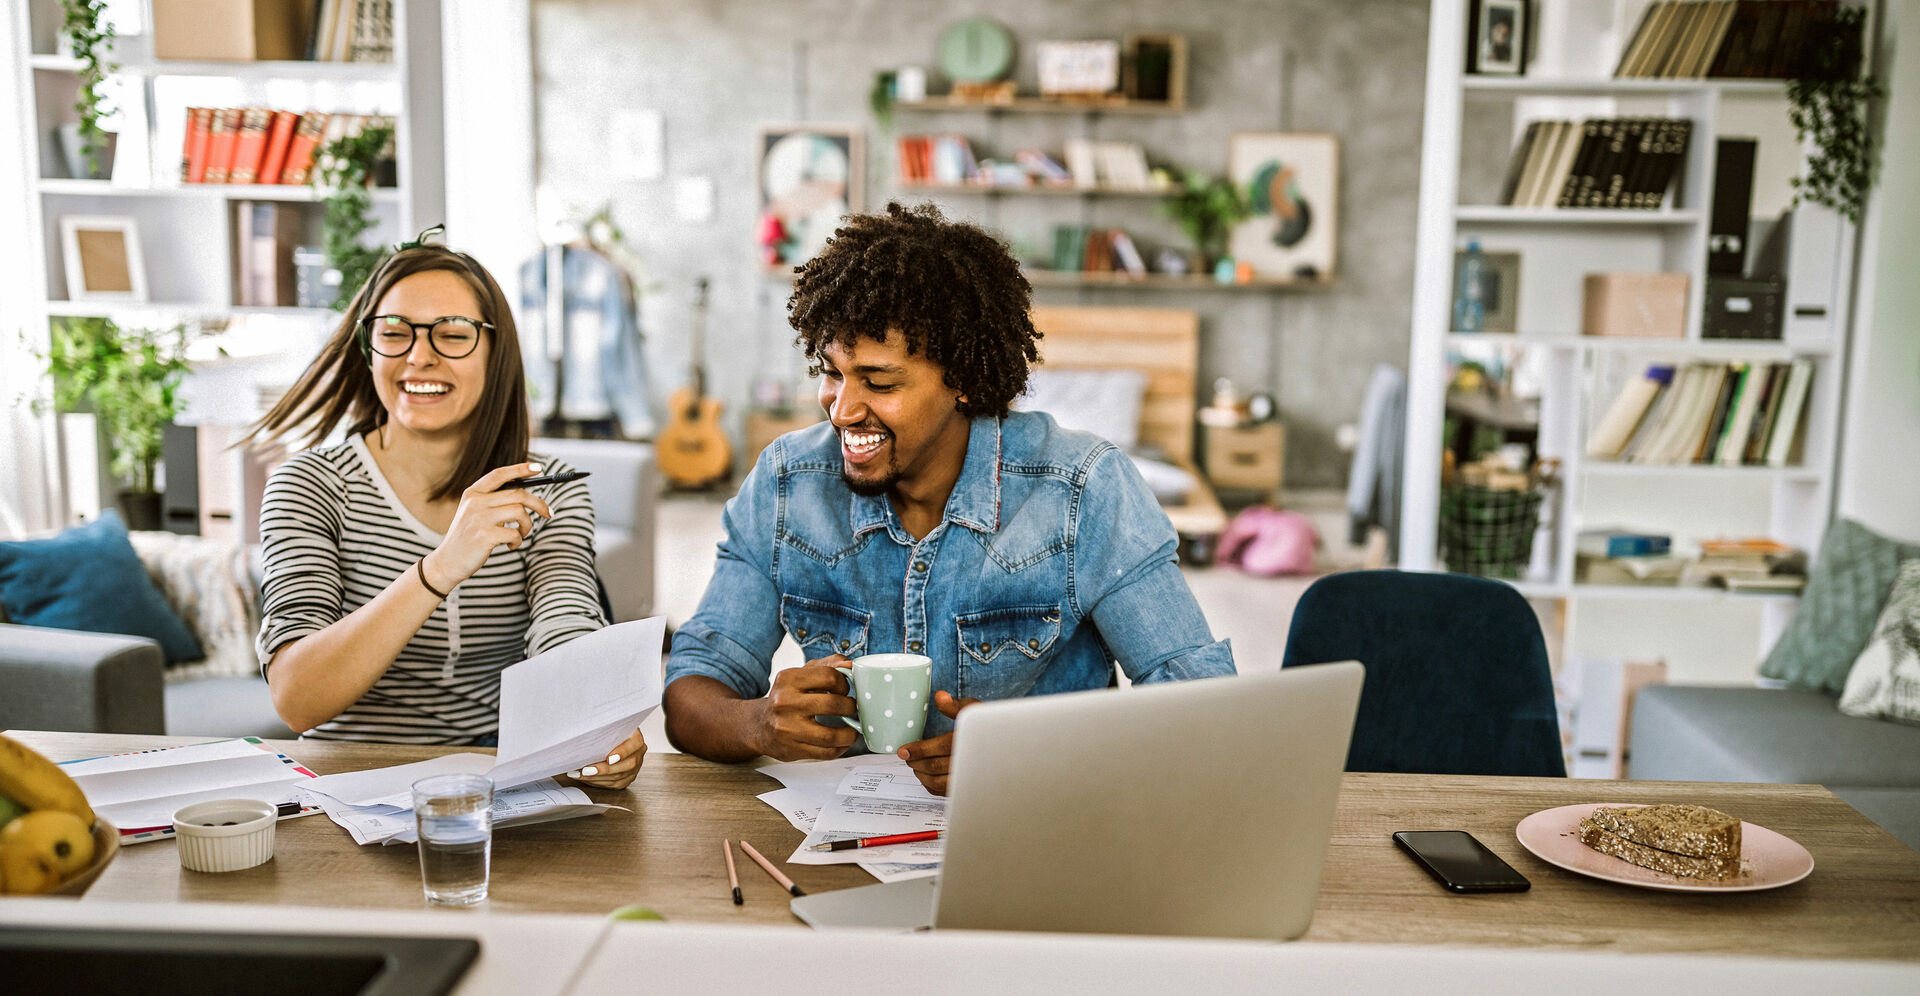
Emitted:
pixel 1198 808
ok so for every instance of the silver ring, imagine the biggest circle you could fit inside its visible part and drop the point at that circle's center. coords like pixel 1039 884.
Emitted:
pixel 513 525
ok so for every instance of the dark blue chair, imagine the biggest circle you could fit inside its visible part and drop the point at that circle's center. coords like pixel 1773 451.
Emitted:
pixel 1457 676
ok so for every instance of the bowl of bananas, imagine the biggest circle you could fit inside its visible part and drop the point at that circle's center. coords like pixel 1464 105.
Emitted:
pixel 50 841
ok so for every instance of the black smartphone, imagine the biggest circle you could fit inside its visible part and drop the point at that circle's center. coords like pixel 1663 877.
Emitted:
pixel 1460 862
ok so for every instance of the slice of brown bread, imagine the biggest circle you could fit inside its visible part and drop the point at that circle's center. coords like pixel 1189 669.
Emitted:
pixel 1656 859
pixel 1693 831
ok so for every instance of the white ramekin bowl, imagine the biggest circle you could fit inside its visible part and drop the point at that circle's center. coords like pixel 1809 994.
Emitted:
pixel 225 835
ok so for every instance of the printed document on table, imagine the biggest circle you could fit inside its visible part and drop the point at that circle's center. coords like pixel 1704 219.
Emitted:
pixel 142 790
pixel 871 801
pixel 558 711
pixel 538 802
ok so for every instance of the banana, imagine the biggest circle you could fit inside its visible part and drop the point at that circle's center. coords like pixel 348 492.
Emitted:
pixel 37 783
pixel 50 837
pixel 25 872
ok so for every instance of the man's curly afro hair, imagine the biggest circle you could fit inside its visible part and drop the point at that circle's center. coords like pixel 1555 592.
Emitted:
pixel 953 290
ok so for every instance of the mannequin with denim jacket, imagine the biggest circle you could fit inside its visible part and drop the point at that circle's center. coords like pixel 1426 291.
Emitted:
pixel 924 516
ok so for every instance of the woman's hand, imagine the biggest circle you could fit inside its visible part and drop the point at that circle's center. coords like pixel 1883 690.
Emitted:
pixel 485 519
pixel 623 762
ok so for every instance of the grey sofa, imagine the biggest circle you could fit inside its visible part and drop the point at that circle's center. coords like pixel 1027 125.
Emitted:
pixel 53 679
pixel 1721 734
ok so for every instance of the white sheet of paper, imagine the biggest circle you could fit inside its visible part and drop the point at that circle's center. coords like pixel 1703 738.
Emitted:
pixel 569 706
pixel 142 790
pixel 887 871
pixel 393 786
pixel 800 808
pixel 822 777
pixel 870 800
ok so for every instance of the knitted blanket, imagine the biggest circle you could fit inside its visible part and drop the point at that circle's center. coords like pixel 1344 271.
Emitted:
pixel 208 584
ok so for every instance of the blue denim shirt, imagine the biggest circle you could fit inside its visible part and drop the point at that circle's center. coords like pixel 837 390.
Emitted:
pixel 1052 559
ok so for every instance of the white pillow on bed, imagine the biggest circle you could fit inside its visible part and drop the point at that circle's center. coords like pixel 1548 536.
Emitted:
pixel 1103 402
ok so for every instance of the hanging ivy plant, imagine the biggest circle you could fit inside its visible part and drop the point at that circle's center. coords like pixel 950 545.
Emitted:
pixel 1827 103
pixel 92 37
pixel 342 169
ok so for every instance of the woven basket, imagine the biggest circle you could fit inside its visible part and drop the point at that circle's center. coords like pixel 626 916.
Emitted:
pixel 1488 532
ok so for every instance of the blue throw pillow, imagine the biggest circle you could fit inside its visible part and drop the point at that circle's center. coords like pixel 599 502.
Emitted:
pixel 88 578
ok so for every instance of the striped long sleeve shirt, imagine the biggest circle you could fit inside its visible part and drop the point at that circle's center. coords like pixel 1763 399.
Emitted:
pixel 334 535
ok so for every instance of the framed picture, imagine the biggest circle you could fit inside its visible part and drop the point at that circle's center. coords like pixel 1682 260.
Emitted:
pixel 102 256
pixel 1499 290
pixel 1497 37
pixel 810 177
pixel 1078 67
pixel 1291 181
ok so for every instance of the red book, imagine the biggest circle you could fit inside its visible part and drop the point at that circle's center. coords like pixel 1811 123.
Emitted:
pixel 249 145
pixel 279 139
pixel 193 162
pixel 306 138
pixel 221 135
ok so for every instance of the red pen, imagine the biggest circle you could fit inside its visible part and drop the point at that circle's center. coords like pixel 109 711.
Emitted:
pixel 881 841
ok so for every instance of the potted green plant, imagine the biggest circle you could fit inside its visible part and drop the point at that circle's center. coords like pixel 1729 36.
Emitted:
pixel 1206 209
pixel 343 169
pixel 130 380
pixel 91 36
pixel 1827 103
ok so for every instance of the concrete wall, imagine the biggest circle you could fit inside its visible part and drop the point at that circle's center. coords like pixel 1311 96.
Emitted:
pixel 718 70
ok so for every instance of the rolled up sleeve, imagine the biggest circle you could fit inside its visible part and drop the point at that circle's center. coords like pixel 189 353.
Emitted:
pixel 732 636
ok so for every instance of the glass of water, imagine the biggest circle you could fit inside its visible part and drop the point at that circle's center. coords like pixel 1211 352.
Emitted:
pixel 454 814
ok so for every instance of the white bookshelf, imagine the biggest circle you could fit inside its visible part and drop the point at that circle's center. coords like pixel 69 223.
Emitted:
pixel 1576 377
pixel 187 231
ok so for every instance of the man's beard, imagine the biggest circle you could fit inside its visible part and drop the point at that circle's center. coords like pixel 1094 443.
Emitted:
pixel 867 488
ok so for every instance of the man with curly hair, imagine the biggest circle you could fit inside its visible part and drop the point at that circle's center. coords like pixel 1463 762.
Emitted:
pixel 925 516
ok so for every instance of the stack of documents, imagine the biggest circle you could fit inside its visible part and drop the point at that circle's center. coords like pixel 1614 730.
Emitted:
pixel 862 796
pixel 376 806
pixel 139 792
pixel 559 711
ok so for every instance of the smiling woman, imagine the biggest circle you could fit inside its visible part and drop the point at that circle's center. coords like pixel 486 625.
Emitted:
pixel 402 572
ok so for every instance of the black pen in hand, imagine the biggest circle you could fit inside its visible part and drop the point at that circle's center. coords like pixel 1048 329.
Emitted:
pixel 534 482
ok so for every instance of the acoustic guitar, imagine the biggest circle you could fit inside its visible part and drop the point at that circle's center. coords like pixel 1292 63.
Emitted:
pixel 692 450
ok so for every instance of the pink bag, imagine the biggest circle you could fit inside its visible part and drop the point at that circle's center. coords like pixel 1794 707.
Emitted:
pixel 1269 542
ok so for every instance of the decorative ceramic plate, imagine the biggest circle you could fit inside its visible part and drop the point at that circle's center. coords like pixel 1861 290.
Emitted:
pixel 1767 859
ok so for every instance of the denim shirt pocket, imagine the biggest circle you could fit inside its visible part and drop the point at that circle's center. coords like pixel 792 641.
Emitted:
pixel 1000 649
pixel 823 628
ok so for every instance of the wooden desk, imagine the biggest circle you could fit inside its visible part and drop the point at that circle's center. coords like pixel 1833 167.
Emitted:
pixel 1862 900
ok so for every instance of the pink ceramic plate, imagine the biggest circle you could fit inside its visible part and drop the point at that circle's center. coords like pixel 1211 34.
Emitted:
pixel 1767 859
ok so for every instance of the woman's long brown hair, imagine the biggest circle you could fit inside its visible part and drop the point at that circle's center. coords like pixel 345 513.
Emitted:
pixel 338 384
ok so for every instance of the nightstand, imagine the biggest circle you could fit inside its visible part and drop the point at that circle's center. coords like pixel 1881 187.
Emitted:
pixel 1247 457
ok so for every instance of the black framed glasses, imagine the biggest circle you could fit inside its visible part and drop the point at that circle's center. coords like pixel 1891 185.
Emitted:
pixel 392 336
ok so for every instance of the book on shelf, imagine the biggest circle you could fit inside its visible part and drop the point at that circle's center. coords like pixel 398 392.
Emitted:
pixel 1081 159
pixel 263 254
pixel 220 140
pixel 1596 163
pixel 1721 414
pixel 1619 542
pixel 1725 39
pixel 1648 569
pixel 303 147
pixel 1785 433
pixel 1126 255
pixel 279 138
pixel 351 31
pixel 249 145
pixel 193 162
pixel 1043 168
pixel 1628 410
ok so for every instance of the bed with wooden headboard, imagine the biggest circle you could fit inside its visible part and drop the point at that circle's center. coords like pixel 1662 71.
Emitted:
pixel 1163 344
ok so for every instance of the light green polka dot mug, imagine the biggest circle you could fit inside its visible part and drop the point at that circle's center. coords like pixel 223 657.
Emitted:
pixel 891 691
